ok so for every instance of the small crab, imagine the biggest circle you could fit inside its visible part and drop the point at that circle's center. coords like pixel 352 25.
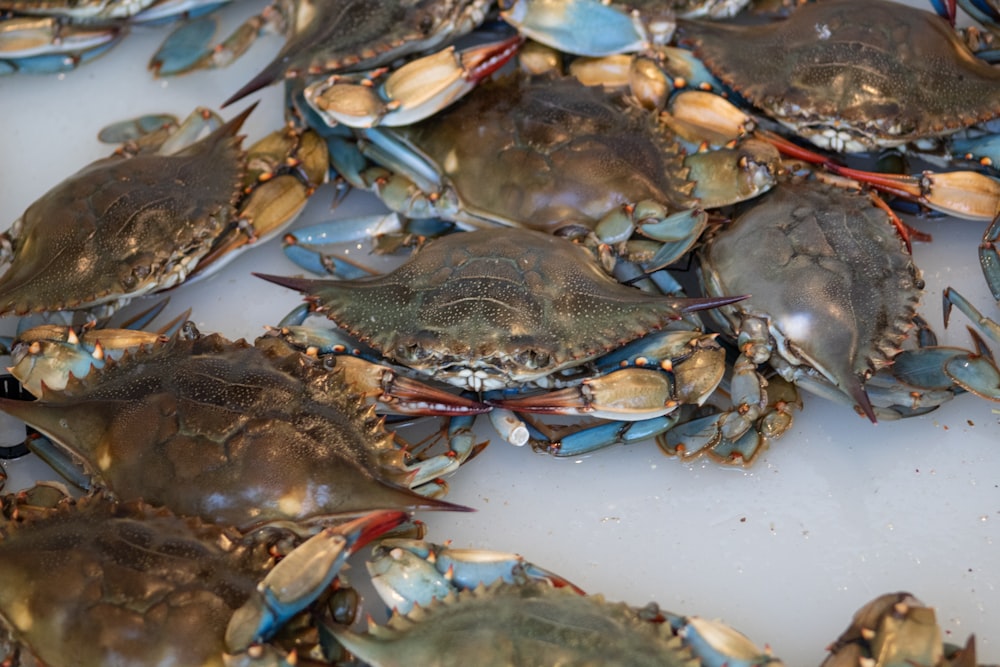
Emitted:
pixel 897 629
pixel 96 582
pixel 147 218
pixel 244 435
pixel 493 608
pixel 506 310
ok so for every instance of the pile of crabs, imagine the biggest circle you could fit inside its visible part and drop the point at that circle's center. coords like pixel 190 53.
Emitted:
pixel 220 485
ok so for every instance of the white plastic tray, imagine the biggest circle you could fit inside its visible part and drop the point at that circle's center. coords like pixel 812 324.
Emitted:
pixel 837 512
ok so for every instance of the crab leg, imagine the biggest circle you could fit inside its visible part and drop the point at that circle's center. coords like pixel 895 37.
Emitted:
pixel 377 383
pixel 407 573
pixel 591 439
pixel 582 27
pixel 989 258
pixel 952 298
pixel 302 576
pixel 188 47
pixel 307 246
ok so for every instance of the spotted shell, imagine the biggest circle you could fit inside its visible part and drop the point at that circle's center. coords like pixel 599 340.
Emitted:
pixel 853 74
pixel 520 624
pixel 492 308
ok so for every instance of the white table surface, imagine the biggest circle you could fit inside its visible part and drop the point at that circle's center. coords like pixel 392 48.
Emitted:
pixel 837 512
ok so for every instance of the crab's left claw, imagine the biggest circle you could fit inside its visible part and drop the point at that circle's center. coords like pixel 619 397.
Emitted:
pixel 301 576
pixel 417 90
pixel 401 395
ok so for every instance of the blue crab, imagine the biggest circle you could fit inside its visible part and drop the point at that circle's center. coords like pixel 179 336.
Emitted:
pixel 834 295
pixel 853 76
pixel 897 629
pixel 96 582
pixel 549 153
pixel 506 310
pixel 452 606
pixel 147 218
pixel 196 424
pixel 60 35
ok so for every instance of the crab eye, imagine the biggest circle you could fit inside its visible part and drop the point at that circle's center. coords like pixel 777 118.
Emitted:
pixel 533 359
pixel 412 352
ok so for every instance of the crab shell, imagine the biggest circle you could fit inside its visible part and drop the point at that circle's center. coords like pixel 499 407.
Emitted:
pixel 520 624
pixel 238 434
pixel 853 75
pixel 492 308
pixel 100 583
pixel 549 153
pixel 828 275
pixel 124 226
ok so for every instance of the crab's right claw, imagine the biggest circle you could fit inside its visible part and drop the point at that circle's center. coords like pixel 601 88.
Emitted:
pixel 401 395
pixel 302 576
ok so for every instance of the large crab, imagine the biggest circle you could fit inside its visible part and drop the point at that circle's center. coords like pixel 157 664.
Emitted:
pixel 505 310
pixel 550 153
pixel 97 582
pixel 147 218
pixel 854 77
pixel 244 435
pixel 851 75
pixel 834 294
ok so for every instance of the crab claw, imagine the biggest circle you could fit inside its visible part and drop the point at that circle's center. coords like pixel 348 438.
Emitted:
pixel 401 395
pixel 629 394
pixel 301 576
pixel 407 573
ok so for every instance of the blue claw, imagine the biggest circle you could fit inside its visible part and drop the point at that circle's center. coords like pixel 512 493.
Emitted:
pixel 301 576
pixel 406 573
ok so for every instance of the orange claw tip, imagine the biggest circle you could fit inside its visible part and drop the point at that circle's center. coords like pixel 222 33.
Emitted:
pixel 363 530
